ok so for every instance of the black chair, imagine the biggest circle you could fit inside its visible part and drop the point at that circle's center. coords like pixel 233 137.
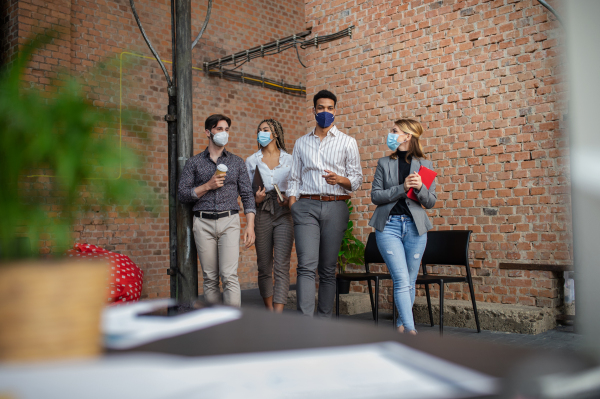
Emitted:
pixel 372 255
pixel 449 247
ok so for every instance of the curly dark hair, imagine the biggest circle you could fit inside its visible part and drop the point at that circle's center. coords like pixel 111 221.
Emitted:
pixel 276 129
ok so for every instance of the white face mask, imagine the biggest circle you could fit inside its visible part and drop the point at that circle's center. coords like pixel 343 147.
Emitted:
pixel 220 138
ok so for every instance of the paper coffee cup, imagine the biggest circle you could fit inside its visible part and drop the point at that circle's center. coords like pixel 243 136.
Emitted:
pixel 221 170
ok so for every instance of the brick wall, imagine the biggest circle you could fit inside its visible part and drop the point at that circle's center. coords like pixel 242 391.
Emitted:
pixel 95 37
pixel 484 77
pixel 486 80
pixel 29 17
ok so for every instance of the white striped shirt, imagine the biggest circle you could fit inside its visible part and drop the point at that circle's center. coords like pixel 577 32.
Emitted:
pixel 337 152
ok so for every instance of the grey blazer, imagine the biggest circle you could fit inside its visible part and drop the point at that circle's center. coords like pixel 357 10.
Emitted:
pixel 386 191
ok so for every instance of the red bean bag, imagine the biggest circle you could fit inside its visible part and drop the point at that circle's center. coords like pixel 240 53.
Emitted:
pixel 125 278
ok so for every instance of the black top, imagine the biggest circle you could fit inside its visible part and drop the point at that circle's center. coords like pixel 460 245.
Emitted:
pixel 403 171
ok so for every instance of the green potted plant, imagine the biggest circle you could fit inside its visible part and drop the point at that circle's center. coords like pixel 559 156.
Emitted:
pixel 352 251
pixel 50 307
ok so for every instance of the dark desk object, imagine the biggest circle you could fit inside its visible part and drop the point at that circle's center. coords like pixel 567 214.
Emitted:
pixel 372 255
pixel 449 247
pixel 261 331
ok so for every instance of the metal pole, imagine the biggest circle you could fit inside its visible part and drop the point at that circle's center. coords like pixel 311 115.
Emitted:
pixel 186 248
pixel 172 149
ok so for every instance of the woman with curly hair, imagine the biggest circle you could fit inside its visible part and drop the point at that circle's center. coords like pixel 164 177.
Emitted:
pixel 273 225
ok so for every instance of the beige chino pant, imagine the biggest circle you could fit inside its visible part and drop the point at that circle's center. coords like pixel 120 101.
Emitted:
pixel 218 245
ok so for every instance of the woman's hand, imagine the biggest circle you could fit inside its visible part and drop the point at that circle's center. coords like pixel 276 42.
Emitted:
pixel 260 195
pixel 413 181
pixel 285 202
pixel 249 235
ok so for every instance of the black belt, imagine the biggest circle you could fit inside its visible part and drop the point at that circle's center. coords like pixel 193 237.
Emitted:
pixel 326 197
pixel 214 215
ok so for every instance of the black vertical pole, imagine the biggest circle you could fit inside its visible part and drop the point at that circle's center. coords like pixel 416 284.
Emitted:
pixel 172 149
pixel 186 248
pixel 171 118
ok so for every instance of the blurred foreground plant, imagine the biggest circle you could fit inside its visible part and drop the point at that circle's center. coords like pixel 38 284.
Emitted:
pixel 59 131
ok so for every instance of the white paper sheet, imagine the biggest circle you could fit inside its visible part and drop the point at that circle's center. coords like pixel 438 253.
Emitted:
pixel 123 327
pixel 387 370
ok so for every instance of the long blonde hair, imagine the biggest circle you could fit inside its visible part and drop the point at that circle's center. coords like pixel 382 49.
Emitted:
pixel 415 129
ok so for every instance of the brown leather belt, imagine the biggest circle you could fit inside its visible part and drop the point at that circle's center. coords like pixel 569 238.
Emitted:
pixel 326 197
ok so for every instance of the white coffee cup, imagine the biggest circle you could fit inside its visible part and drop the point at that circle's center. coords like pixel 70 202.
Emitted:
pixel 221 169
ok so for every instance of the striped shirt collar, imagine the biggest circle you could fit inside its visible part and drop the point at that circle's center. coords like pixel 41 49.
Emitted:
pixel 334 131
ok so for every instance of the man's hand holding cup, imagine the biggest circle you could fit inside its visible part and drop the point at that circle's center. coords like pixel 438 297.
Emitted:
pixel 218 179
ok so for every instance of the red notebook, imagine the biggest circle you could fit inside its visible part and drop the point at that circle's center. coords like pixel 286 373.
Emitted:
pixel 427 177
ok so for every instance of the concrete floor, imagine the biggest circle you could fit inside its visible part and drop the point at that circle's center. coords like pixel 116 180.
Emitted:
pixel 562 337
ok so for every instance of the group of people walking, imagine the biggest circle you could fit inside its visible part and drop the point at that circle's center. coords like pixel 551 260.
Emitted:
pixel 302 197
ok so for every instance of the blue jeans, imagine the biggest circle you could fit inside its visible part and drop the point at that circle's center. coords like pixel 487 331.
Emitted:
pixel 402 249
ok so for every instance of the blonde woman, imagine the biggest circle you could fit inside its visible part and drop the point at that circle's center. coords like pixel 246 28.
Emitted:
pixel 400 223
pixel 274 227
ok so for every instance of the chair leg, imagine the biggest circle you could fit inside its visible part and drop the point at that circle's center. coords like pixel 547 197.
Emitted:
pixel 429 304
pixel 371 298
pixel 376 300
pixel 470 282
pixel 441 307
pixel 337 298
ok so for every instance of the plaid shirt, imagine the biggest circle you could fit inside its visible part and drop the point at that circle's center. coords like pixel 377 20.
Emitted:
pixel 200 169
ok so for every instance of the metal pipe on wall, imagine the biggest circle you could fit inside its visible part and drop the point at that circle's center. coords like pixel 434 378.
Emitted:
pixel 186 248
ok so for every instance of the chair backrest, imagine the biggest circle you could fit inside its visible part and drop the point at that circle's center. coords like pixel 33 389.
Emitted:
pixel 447 247
pixel 372 254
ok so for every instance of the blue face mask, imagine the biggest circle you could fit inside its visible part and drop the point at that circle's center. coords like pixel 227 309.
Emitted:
pixel 324 119
pixel 392 141
pixel 264 138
